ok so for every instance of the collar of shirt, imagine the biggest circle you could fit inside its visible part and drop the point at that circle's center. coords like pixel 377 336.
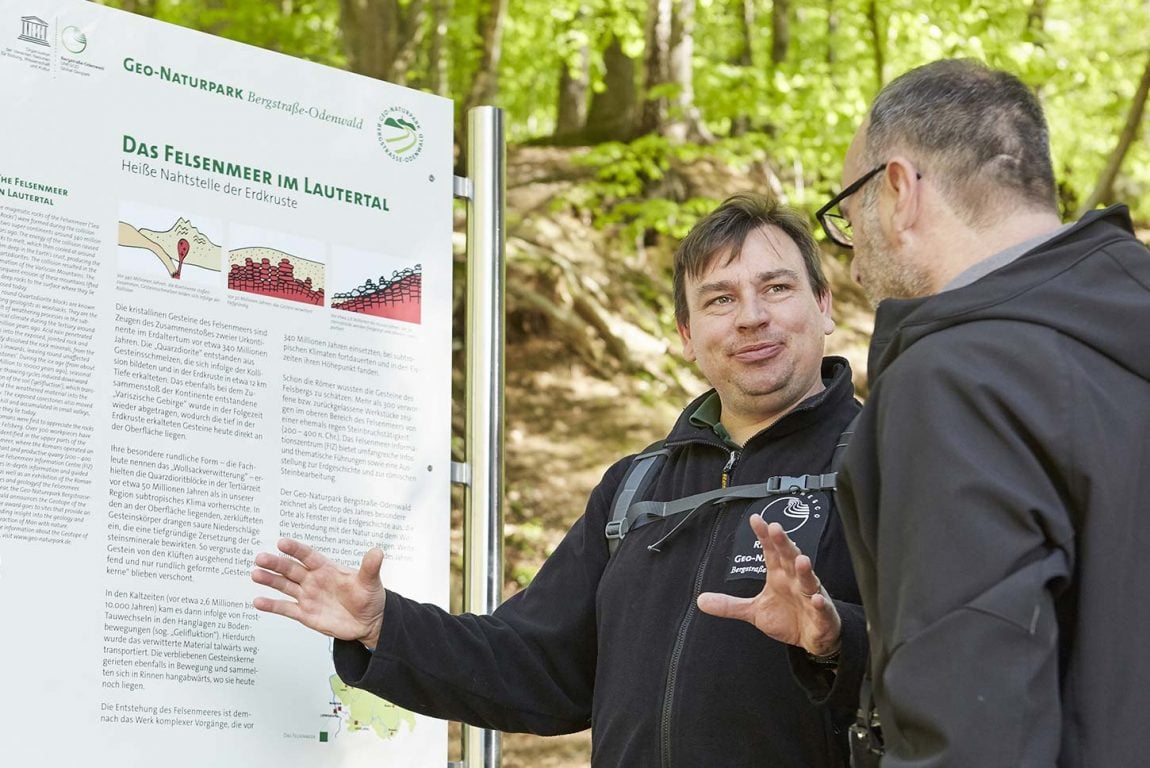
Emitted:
pixel 708 414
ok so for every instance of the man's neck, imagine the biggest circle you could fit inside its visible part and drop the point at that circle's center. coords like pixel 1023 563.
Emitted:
pixel 740 433
pixel 967 246
pixel 742 427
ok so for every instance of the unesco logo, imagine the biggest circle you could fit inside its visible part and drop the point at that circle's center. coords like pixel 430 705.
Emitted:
pixel 33 29
pixel 399 134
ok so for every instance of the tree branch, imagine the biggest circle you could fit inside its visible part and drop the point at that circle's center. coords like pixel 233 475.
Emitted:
pixel 1104 189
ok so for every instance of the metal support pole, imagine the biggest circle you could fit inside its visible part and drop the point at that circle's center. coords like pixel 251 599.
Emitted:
pixel 483 506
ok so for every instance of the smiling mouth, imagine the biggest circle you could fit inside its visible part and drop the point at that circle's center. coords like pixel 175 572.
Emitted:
pixel 753 353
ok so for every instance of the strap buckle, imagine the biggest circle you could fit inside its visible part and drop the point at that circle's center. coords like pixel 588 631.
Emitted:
pixel 616 529
pixel 786 484
pixel 780 484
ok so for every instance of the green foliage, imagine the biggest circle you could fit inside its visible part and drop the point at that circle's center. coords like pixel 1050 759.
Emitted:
pixel 621 193
pixel 1084 61
pixel 625 170
pixel 1084 58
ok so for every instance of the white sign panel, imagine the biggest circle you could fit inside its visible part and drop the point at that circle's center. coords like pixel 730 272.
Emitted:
pixel 225 316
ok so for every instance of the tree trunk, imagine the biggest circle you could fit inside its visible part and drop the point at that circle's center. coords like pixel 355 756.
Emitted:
pixel 1104 190
pixel 574 83
pixel 380 37
pixel 780 30
pixel 436 56
pixel 485 81
pixel 489 26
pixel 744 13
pixel 414 32
pixel 657 66
pixel 611 116
pixel 876 32
pixel 1035 22
pixel 832 28
pixel 685 122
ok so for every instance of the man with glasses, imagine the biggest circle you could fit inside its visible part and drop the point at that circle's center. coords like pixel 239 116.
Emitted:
pixel 614 633
pixel 995 493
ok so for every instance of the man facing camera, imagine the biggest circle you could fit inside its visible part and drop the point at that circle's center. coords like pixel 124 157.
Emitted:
pixel 611 633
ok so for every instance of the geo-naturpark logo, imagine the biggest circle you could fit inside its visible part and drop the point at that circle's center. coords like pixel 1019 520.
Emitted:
pixel 399 134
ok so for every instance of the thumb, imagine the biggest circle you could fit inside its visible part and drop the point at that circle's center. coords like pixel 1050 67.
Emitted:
pixel 724 606
pixel 368 574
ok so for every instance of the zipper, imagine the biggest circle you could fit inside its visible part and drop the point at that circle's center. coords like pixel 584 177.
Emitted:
pixel 681 637
pixel 725 480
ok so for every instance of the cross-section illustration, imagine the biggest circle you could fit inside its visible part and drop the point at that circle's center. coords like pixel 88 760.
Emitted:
pixel 271 272
pixel 182 251
pixel 397 297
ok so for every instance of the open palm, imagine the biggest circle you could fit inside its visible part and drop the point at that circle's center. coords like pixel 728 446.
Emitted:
pixel 325 596
pixel 793 607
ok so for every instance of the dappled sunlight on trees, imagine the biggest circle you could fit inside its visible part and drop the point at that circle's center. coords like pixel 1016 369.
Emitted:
pixel 793 77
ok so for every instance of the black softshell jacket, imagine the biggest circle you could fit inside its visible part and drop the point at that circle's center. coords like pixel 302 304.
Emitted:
pixel 617 644
pixel 996 496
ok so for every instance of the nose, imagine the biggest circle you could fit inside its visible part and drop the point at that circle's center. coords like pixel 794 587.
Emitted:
pixel 753 312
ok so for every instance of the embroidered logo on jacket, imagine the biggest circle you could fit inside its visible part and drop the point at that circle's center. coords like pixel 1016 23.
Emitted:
pixel 803 517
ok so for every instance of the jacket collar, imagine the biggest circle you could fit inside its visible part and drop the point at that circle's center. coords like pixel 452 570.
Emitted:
pixel 901 322
pixel 838 386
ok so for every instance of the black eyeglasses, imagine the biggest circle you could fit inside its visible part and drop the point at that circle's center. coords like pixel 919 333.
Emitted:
pixel 837 226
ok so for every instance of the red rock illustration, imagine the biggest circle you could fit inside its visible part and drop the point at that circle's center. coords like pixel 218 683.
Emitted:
pixel 399 298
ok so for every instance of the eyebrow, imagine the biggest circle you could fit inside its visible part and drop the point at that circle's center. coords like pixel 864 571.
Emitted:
pixel 769 276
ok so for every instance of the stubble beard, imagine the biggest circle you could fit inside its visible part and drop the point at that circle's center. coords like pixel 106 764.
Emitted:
pixel 884 273
pixel 777 395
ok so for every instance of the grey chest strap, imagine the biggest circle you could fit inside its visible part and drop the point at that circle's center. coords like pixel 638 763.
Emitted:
pixel 628 514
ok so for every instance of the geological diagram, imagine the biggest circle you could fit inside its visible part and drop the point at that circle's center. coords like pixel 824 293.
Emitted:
pixel 182 251
pixel 397 297
pixel 271 272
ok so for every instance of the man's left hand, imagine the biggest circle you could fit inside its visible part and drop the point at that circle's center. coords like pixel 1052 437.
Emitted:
pixel 793 607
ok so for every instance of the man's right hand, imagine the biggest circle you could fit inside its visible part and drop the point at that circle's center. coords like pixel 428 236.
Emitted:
pixel 326 597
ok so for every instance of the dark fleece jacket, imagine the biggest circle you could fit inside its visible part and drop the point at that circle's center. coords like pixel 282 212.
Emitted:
pixel 995 499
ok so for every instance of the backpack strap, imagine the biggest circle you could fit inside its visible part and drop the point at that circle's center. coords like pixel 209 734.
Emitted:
pixel 642 512
pixel 866 742
pixel 638 477
pixel 628 514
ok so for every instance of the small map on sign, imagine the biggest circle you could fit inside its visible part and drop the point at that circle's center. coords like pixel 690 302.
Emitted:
pixel 354 710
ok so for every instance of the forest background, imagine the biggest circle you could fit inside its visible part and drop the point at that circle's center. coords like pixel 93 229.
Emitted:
pixel 629 119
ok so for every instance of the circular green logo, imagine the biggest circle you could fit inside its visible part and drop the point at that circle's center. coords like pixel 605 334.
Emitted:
pixel 399 134
pixel 74 39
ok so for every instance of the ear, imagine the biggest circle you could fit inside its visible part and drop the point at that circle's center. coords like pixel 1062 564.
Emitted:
pixel 825 303
pixel 904 186
pixel 685 336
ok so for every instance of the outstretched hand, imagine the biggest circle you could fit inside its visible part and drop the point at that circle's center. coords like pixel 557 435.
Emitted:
pixel 326 597
pixel 793 607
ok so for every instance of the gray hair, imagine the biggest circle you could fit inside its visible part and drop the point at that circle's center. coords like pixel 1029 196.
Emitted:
pixel 979 133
